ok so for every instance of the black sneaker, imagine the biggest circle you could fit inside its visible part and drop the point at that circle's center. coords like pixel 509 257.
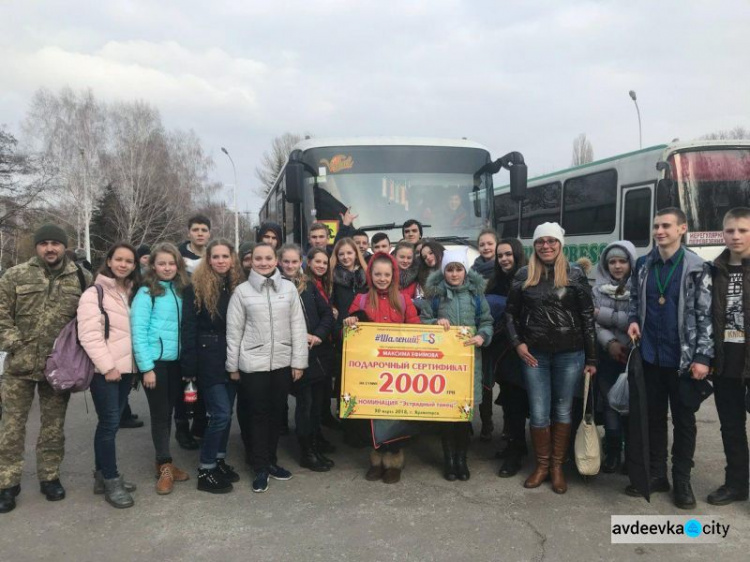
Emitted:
pixel 210 480
pixel 130 423
pixel 725 495
pixel 655 485
pixel 260 484
pixel 227 471
pixel 278 473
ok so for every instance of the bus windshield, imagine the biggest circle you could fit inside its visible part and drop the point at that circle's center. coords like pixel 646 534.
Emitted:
pixel 709 183
pixel 386 185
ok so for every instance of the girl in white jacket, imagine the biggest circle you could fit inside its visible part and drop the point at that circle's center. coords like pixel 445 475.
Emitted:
pixel 266 350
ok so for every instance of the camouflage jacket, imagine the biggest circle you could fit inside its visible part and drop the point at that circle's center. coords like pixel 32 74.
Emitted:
pixel 693 312
pixel 34 307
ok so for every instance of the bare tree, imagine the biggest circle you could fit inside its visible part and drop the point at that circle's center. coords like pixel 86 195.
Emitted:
pixel 69 130
pixel 736 133
pixel 583 151
pixel 23 178
pixel 274 159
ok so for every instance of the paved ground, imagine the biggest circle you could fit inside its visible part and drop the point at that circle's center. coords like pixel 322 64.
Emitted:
pixel 340 516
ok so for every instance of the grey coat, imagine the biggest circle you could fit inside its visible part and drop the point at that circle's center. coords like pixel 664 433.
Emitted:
pixel 266 327
pixel 611 308
pixel 694 309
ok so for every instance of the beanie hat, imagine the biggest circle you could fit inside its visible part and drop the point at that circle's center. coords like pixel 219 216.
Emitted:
pixel 456 255
pixel 617 252
pixel 143 250
pixel 245 249
pixel 551 229
pixel 50 232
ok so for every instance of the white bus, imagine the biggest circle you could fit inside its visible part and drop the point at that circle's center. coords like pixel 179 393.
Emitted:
pixel 444 184
pixel 616 198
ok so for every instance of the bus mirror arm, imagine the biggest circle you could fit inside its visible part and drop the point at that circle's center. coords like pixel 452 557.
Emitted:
pixel 515 164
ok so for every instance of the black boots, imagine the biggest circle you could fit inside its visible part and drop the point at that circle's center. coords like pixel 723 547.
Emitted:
pixel 52 490
pixel 612 452
pixel 449 460
pixel 308 458
pixel 683 494
pixel 227 472
pixel 8 498
pixel 513 459
pixel 210 480
pixel 184 437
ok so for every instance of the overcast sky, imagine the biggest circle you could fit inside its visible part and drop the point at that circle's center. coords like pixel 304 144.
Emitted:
pixel 527 76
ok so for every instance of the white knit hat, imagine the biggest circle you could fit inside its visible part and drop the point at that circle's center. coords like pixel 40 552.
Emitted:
pixel 456 255
pixel 551 229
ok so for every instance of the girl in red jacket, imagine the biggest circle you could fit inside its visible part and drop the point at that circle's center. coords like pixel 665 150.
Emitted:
pixel 383 303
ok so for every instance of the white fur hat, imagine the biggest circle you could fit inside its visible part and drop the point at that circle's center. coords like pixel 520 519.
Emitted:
pixel 551 229
pixel 456 255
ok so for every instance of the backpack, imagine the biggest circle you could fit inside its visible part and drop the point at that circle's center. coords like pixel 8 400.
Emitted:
pixel 69 368
pixel 477 309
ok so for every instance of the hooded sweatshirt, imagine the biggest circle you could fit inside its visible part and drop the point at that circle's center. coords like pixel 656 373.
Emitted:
pixel 611 299
pixel 273 227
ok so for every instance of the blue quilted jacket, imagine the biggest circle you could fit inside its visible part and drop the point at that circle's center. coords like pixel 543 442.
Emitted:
pixel 155 326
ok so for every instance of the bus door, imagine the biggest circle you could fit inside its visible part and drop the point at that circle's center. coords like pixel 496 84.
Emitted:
pixel 636 214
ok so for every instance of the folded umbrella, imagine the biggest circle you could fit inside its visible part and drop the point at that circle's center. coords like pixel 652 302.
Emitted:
pixel 638 451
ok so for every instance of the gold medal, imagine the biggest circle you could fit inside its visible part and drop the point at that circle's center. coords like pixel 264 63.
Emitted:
pixel 662 300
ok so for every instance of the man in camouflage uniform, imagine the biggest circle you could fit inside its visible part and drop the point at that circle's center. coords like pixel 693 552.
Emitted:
pixel 37 299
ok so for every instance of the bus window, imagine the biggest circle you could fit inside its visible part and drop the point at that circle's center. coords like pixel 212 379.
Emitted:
pixel 506 216
pixel 636 218
pixel 589 204
pixel 272 209
pixel 542 204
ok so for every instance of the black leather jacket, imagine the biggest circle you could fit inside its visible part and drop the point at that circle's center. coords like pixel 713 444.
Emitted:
pixel 552 320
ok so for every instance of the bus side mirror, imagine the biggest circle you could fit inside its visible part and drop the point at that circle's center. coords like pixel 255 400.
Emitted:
pixel 477 202
pixel 518 178
pixel 293 177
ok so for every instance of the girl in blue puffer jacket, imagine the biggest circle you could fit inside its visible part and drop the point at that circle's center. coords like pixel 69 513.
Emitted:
pixel 155 317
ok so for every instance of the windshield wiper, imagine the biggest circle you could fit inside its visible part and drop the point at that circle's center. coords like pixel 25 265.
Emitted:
pixel 464 240
pixel 386 226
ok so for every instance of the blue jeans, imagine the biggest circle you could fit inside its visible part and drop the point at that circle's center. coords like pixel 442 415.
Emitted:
pixel 552 384
pixel 109 400
pixel 219 400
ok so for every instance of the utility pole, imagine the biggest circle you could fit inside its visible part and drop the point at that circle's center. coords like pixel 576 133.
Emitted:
pixel 234 197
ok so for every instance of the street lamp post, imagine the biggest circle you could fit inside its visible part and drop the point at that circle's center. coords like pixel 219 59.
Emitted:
pixel 234 197
pixel 640 131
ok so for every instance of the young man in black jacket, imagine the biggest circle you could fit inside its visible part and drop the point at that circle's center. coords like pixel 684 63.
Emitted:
pixel 731 313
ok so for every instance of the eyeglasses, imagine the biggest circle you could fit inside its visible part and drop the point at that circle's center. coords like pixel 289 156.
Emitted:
pixel 551 242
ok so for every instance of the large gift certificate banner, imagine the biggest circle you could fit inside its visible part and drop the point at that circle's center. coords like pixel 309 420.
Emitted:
pixel 407 372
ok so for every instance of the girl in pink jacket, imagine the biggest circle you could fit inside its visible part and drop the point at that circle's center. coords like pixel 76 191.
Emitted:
pixel 104 332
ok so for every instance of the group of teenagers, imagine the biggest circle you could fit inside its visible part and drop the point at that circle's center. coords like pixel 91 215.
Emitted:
pixel 256 324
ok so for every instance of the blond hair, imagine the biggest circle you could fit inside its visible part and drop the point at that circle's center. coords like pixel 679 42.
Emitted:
pixel 207 284
pixel 537 267
pixel 180 280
